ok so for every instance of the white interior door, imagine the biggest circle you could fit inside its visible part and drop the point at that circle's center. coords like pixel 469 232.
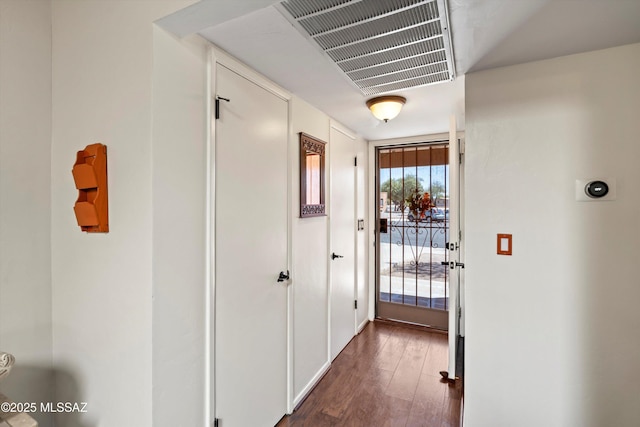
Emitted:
pixel 251 250
pixel 343 223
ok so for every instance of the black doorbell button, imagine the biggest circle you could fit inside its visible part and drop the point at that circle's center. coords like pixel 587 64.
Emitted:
pixel 597 189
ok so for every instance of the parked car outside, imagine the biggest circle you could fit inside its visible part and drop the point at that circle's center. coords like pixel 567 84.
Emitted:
pixel 438 214
pixel 433 214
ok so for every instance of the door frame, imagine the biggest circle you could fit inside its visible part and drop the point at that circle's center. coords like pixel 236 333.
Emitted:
pixel 392 143
pixel 218 56
pixel 434 318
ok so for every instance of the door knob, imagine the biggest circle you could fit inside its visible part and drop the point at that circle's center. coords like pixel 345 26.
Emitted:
pixel 334 256
pixel 283 276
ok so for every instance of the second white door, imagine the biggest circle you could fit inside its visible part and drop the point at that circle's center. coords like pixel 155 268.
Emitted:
pixel 343 223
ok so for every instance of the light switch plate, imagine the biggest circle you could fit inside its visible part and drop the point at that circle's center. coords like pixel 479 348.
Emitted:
pixel 505 243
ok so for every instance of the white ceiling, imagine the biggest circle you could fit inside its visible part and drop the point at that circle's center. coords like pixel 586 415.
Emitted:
pixel 486 34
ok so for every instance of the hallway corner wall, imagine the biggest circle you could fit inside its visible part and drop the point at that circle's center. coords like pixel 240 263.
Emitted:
pixel 556 320
pixel 179 209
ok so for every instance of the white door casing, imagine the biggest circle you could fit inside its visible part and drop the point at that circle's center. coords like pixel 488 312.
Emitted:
pixel 251 238
pixel 342 240
pixel 454 245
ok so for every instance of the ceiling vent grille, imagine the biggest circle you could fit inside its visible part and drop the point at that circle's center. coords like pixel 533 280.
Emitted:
pixel 382 46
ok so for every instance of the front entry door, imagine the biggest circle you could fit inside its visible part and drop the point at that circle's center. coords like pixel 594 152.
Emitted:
pixel 413 227
pixel 250 251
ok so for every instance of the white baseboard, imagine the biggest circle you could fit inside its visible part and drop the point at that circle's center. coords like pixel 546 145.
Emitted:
pixel 362 325
pixel 307 389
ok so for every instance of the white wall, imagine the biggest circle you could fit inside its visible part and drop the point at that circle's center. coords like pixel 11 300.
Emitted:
pixel 25 199
pixel 310 289
pixel 179 159
pixel 362 236
pixel 551 332
pixel 103 56
pixel 310 237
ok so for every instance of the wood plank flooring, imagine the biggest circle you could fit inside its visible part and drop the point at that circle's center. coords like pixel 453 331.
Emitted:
pixel 387 376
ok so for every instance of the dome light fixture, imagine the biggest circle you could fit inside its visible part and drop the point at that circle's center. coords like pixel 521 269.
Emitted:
pixel 386 108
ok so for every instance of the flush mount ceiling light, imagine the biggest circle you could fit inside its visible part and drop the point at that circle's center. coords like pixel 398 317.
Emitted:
pixel 386 108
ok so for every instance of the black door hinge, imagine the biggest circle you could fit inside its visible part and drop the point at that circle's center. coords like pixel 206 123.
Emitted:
pixel 218 98
pixel 216 422
pixel 356 304
pixel 355 161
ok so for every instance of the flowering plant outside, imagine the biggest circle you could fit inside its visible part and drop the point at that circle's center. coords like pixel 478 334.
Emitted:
pixel 419 203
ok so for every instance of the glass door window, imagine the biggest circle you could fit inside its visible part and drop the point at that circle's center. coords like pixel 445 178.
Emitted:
pixel 413 218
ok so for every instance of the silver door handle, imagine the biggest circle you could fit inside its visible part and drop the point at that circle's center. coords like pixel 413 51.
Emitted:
pixel 452 264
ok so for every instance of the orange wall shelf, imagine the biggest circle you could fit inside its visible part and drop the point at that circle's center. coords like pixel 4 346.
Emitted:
pixel 90 176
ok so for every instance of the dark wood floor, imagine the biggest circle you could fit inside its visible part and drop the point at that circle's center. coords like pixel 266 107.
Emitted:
pixel 387 376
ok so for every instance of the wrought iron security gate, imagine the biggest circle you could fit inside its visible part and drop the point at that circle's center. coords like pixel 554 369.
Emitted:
pixel 413 228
